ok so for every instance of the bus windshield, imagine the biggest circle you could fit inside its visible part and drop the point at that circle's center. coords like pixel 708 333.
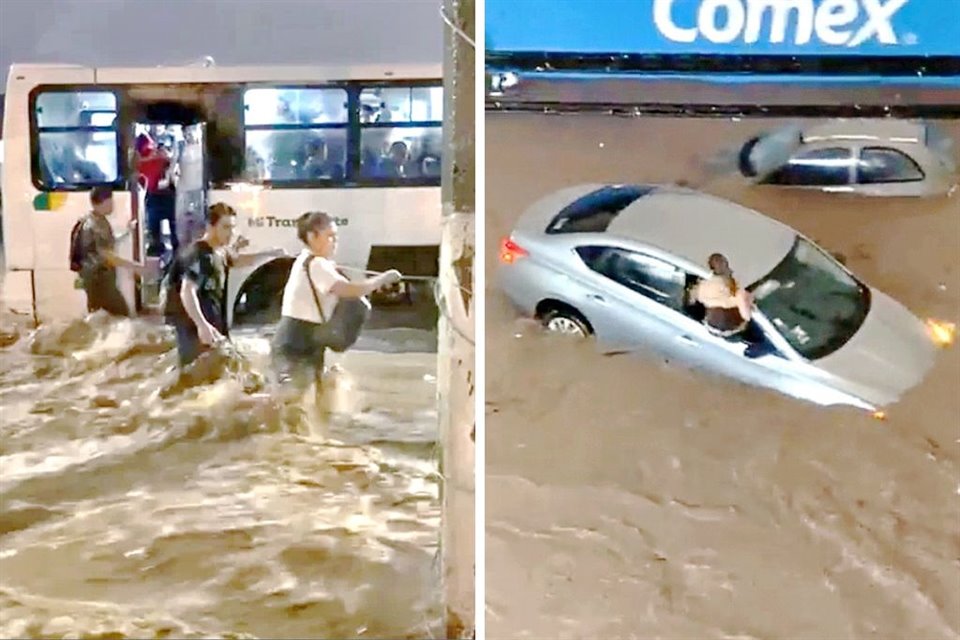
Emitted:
pixel 812 301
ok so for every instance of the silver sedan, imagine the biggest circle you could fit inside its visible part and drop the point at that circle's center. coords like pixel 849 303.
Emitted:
pixel 894 158
pixel 618 261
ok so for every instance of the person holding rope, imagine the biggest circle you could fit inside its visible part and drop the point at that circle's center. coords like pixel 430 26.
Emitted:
pixel 321 308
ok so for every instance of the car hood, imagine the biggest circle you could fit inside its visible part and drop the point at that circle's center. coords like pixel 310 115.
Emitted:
pixel 890 354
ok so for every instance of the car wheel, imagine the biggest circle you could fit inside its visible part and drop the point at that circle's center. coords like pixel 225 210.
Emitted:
pixel 565 322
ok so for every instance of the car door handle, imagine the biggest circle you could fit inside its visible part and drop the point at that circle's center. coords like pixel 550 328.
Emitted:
pixel 687 340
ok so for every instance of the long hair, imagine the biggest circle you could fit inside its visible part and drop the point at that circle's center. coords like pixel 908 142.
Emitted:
pixel 721 267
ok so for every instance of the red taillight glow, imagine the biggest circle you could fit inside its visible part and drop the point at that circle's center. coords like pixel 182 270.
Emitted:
pixel 510 251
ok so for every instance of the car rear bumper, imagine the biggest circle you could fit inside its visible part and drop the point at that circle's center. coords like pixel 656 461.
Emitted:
pixel 522 284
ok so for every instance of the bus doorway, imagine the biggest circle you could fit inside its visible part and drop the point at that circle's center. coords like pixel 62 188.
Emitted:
pixel 168 198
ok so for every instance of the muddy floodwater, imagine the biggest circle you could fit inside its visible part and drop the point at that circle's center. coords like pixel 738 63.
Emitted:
pixel 631 498
pixel 133 509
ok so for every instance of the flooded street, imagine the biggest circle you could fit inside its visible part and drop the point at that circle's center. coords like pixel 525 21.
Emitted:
pixel 631 498
pixel 131 510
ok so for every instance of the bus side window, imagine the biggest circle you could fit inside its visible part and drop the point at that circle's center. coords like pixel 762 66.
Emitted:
pixel 76 139
pixel 400 133
pixel 296 134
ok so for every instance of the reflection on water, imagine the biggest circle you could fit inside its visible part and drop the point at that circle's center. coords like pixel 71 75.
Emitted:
pixel 629 497
pixel 132 508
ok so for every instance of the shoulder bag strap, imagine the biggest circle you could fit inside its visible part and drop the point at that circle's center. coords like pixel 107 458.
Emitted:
pixel 313 288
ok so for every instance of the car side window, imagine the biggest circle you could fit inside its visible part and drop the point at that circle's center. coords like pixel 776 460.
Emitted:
pixel 644 274
pixel 880 164
pixel 817 167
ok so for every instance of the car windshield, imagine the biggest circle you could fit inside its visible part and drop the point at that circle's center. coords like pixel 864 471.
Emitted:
pixel 812 301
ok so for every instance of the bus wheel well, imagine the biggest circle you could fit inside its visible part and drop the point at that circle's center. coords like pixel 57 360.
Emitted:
pixel 261 294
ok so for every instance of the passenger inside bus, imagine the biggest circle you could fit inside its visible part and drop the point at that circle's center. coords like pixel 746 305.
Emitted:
pixel 318 164
pixel 155 167
pixel 428 156
pixel 395 164
pixel 256 167
pixel 374 112
pixel 68 162
pixel 287 151
pixel 164 138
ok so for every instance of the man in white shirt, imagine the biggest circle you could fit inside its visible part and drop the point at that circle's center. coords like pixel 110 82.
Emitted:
pixel 310 299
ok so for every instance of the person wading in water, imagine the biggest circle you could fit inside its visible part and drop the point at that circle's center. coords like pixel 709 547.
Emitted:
pixel 316 299
pixel 196 299
pixel 96 258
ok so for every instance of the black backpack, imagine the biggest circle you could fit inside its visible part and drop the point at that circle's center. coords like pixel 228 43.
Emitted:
pixel 341 330
pixel 77 253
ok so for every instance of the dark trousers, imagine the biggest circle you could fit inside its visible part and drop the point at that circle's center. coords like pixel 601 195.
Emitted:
pixel 298 358
pixel 102 293
pixel 189 346
pixel 161 206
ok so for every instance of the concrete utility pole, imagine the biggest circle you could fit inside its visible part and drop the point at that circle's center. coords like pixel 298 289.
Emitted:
pixel 455 370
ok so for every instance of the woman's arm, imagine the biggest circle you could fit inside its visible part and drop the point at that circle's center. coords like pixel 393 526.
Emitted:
pixel 347 289
pixel 745 304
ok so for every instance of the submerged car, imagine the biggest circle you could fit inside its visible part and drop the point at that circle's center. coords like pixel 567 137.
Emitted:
pixel 618 262
pixel 894 158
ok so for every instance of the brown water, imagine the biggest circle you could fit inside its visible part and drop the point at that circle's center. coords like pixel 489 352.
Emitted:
pixel 628 498
pixel 129 510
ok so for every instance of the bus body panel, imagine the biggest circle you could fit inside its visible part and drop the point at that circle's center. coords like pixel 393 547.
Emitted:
pixel 56 296
pixel 271 75
pixel 18 292
pixel 267 218
pixel 390 216
pixel 20 219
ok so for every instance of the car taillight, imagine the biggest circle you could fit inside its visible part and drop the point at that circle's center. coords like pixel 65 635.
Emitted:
pixel 510 251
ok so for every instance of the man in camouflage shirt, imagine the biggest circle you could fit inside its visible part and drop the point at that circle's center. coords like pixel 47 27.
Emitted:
pixel 100 261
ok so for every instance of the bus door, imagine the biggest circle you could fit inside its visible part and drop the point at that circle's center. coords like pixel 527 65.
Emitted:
pixel 187 176
pixel 135 295
pixel 192 184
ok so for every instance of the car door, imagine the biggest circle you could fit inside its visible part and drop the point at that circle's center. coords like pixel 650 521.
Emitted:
pixel 882 171
pixel 774 366
pixel 635 300
pixel 728 356
pixel 827 168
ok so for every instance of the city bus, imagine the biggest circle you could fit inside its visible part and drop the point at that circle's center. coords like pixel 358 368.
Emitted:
pixel 361 143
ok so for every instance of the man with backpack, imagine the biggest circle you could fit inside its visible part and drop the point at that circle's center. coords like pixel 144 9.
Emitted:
pixel 93 255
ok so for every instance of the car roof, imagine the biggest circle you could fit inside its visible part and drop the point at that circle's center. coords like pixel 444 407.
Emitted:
pixel 692 225
pixel 539 214
pixel 860 130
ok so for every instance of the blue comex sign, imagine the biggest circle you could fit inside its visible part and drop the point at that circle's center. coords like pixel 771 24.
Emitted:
pixel 718 27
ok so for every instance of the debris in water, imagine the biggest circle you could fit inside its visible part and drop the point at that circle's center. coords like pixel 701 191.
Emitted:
pixel 104 402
